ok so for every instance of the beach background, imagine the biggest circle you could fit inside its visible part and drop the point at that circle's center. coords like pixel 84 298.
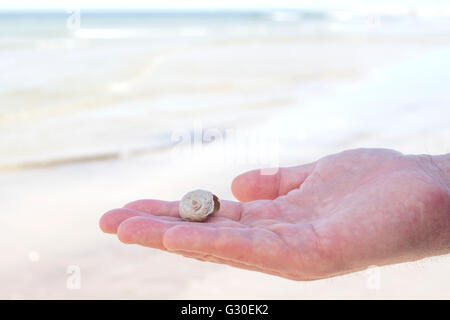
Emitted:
pixel 102 107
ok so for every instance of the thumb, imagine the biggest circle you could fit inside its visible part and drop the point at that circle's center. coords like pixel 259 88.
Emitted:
pixel 253 185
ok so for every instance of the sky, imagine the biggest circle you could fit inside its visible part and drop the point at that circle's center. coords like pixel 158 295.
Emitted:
pixel 231 4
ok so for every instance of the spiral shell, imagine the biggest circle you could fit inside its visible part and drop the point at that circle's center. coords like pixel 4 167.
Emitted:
pixel 197 205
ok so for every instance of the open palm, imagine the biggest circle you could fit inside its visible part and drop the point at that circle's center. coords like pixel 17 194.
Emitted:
pixel 339 214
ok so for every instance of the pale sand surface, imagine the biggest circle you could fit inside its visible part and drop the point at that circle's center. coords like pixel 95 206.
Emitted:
pixel 55 213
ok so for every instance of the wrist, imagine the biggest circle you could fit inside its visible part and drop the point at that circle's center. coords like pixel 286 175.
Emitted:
pixel 442 163
pixel 441 203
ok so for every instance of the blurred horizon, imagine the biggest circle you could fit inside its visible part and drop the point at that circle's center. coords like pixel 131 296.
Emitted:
pixel 415 7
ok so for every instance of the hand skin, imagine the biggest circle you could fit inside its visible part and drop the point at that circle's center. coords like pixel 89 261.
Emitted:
pixel 340 214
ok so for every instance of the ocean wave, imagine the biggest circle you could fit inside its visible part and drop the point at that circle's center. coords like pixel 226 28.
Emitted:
pixel 109 33
pixel 81 158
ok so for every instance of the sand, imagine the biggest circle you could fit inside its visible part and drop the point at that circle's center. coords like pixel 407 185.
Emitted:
pixel 52 225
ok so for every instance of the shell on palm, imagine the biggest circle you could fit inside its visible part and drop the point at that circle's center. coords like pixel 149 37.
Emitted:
pixel 197 205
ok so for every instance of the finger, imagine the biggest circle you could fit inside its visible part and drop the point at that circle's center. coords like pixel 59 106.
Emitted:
pixel 250 246
pixel 111 220
pixel 144 231
pixel 149 230
pixel 254 185
pixel 155 207
pixel 228 209
pixel 213 259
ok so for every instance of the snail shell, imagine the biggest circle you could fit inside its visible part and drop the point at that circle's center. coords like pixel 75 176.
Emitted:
pixel 197 205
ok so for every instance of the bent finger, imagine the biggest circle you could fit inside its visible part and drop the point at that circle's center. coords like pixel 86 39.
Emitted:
pixel 251 246
pixel 149 230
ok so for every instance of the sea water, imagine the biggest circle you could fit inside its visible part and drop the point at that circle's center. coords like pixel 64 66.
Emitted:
pixel 86 85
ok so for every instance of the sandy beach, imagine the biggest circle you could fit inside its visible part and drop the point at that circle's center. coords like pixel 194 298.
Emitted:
pixel 89 123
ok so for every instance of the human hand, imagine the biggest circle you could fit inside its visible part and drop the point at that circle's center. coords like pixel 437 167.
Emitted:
pixel 340 214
